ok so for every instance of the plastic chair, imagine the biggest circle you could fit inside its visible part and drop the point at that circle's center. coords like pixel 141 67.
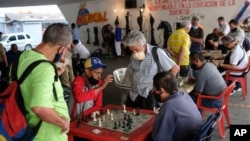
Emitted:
pixel 118 76
pixel 225 96
pixel 207 130
pixel 242 79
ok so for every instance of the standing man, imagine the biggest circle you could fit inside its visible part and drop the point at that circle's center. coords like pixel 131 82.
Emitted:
pixel 75 32
pixel 178 46
pixel 224 28
pixel 196 34
pixel 208 81
pixel 143 68
pixel 179 119
pixel 3 61
pixel 118 38
pixel 37 89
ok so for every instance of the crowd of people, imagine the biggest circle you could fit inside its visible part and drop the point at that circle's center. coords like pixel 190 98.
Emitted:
pixel 152 82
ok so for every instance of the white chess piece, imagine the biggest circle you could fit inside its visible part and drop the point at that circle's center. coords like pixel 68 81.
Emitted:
pixel 94 117
pixel 100 123
pixel 112 116
pixel 134 112
pixel 124 109
pixel 108 113
pixel 103 118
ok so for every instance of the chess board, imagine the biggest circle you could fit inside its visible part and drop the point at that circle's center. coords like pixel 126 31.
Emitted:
pixel 121 124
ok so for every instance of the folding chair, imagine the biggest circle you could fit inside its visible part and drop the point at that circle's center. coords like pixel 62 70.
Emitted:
pixel 207 130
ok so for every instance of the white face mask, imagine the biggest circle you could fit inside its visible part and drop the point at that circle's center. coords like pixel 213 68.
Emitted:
pixel 139 55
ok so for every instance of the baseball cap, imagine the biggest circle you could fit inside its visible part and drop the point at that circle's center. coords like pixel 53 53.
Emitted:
pixel 94 63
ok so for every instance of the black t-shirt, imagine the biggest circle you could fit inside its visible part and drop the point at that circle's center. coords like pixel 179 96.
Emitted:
pixel 210 36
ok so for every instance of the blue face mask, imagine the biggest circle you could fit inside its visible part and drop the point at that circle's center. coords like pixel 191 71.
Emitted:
pixel 57 57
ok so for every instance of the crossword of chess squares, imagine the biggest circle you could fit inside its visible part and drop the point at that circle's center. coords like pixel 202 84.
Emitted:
pixel 120 120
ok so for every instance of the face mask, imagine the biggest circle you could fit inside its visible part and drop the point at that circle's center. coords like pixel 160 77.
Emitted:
pixel 57 57
pixel 157 97
pixel 195 27
pixel 220 25
pixel 194 67
pixel 233 29
pixel 139 55
pixel 93 81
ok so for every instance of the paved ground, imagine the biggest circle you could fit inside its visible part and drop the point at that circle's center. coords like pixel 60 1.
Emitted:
pixel 239 110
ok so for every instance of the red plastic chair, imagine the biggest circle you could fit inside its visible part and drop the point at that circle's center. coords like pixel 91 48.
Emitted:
pixel 225 96
pixel 242 79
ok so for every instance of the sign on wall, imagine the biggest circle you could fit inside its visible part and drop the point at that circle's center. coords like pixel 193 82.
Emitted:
pixel 84 17
pixel 183 7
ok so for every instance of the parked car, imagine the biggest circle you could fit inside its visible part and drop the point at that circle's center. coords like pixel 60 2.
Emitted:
pixel 23 40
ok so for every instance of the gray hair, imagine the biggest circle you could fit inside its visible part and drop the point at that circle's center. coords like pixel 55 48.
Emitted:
pixel 135 38
pixel 58 34
pixel 228 39
pixel 186 24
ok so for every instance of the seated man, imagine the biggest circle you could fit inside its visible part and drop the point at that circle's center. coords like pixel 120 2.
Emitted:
pixel 211 41
pixel 87 88
pixel 179 119
pixel 235 59
pixel 209 81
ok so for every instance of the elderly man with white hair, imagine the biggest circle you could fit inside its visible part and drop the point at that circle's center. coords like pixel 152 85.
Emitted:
pixel 143 68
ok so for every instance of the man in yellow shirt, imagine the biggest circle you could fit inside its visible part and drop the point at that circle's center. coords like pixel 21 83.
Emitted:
pixel 178 46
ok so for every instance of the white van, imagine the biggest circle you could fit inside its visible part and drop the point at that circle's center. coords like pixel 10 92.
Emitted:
pixel 23 41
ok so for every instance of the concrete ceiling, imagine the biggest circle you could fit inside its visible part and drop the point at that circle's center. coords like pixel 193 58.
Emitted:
pixel 17 3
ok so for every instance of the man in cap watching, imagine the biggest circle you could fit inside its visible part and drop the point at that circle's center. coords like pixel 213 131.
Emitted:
pixel 87 88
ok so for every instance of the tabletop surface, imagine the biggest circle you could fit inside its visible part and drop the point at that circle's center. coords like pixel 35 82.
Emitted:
pixel 94 132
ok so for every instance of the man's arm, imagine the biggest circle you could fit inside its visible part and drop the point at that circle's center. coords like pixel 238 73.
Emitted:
pixel 181 56
pixel 50 115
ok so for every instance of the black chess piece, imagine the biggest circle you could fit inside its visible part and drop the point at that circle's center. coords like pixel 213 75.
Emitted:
pixel 115 126
pixel 123 126
pixel 78 123
pixel 129 126
pixel 88 41
pixel 125 117
pixel 119 124
pixel 138 111
pixel 96 43
pixel 131 120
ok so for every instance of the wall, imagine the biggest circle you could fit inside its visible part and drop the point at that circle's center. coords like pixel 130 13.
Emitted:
pixel 168 10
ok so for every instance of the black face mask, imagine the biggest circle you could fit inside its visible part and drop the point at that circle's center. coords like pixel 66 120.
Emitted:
pixel 194 67
pixel 57 57
pixel 233 29
pixel 93 81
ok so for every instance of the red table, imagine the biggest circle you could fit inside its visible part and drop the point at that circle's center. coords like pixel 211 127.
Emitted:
pixel 85 131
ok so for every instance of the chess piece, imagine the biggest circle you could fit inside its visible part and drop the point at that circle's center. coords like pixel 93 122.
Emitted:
pixel 124 109
pixel 134 112
pixel 125 117
pixel 78 123
pixel 119 124
pixel 111 116
pixel 108 112
pixel 100 123
pixel 129 126
pixel 123 124
pixel 94 117
pixel 115 126
pixel 138 111
pixel 103 118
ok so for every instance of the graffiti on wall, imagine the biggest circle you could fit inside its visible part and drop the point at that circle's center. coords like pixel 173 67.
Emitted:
pixel 84 17
pixel 183 7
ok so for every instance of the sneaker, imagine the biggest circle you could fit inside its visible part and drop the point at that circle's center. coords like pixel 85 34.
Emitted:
pixel 233 92
pixel 237 89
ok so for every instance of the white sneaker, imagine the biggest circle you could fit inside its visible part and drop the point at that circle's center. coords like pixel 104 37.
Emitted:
pixel 233 92
pixel 238 90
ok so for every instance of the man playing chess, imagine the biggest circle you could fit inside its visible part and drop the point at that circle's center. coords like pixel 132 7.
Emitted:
pixel 87 89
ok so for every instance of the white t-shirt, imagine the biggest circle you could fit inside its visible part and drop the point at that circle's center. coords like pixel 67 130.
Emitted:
pixel 82 51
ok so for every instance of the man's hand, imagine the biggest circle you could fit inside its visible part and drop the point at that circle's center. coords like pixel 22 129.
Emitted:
pixel 65 127
pixel 106 80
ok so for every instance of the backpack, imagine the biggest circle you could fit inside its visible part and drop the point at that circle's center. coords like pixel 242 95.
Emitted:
pixel 246 43
pixel 156 58
pixel 13 123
